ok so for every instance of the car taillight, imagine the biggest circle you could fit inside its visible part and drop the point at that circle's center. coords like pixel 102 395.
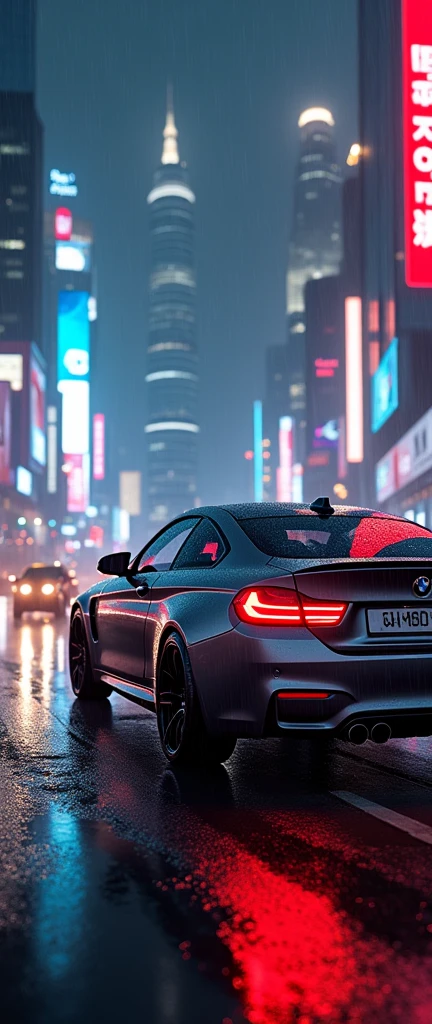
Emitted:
pixel 268 607
pixel 277 606
pixel 322 613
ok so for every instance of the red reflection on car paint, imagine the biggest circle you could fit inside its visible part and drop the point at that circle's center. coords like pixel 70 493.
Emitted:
pixel 376 532
pixel 211 548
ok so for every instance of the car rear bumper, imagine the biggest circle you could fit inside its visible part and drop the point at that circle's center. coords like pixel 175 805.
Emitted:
pixel 240 678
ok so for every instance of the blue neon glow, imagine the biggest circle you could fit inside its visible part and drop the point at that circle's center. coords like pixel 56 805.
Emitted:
pixel 258 451
pixel 385 397
pixel 73 336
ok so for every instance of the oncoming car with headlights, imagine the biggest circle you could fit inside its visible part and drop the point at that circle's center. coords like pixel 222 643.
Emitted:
pixel 265 620
pixel 44 588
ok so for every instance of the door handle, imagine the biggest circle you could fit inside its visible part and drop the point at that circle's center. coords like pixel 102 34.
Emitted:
pixel 143 590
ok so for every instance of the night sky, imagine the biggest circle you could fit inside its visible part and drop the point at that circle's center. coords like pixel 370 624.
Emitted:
pixel 242 71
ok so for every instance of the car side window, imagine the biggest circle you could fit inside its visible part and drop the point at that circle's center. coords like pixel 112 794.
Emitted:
pixel 162 551
pixel 205 547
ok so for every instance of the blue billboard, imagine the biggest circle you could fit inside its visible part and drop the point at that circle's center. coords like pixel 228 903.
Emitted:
pixel 73 337
pixel 385 397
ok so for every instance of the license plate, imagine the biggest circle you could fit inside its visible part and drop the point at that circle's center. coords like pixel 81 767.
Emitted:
pixel 399 620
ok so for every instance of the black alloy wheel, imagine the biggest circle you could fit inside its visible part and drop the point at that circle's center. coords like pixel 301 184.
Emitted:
pixel 182 731
pixel 83 683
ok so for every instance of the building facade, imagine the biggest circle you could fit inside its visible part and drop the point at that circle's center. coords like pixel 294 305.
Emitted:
pixel 171 372
pixel 396 254
pixel 22 364
pixel 315 248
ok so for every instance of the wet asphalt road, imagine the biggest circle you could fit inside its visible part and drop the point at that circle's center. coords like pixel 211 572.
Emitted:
pixel 133 893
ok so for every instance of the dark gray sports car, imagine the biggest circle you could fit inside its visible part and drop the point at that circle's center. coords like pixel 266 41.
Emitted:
pixel 261 619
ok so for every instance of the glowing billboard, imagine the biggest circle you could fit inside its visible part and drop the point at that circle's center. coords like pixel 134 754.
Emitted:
pixel 258 452
pixel 73 255
pixel 37 409
pixel 23 481
pixel 78 482
pixel 354 378
pixel 130 492
pixel 11 369
pixel 5 433
pixel 385 387
pixel 98 446
pixel 284 472
pixel 417 140
pixel 63 223
pixel 52 449
pixel 73 337
pixel 75 416
pixel 63 183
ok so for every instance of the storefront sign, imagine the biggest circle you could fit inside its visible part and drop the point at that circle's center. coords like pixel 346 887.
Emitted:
pixel 407 460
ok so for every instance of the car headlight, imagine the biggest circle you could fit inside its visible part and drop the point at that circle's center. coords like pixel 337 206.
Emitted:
pixel 25 589
pixel 47 589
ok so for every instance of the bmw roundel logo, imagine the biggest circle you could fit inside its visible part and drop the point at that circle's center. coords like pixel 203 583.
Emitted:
pixel 422 586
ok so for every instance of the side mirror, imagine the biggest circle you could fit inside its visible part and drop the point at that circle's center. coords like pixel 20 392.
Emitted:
pixel 114 565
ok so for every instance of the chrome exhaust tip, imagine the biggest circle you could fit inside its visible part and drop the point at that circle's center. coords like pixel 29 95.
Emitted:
pixel 358 733
pixel 381 732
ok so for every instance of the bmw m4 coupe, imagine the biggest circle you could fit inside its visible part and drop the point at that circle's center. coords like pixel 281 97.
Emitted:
pixel 261 620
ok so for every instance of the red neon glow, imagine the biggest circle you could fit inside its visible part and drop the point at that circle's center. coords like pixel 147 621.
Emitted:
pixel 284 470
pixel 318 459
pixel 63 222
pixel 373 316
pixel 303 695
pixel 374 357
pixel 77 482
pixel 99 446
pixel 326 367
pixel 96 534
pixel 211 548
pixel 390 320
pixel 249 455
pixel 375 533
pixel 417 140
pixel 354 379
pixel 275 606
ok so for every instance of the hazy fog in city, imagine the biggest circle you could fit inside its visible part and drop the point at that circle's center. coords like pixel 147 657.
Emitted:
pixel 242 71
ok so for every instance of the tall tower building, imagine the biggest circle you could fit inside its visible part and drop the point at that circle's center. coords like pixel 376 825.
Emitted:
pixel 172 381
pixel 315 249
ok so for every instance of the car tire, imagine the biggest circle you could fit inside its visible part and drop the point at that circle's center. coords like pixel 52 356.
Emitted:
pixel 183 734
pixel 83 683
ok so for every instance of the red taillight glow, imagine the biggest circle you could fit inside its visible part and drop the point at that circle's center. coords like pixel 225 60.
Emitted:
pixel 304 695
pixel 277 606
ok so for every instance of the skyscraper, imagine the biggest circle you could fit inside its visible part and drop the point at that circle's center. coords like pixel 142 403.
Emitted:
pixel 21 176
pixel 172 381
pixel 315 249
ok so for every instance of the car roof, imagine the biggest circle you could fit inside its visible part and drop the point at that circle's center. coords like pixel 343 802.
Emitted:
pixel 269 509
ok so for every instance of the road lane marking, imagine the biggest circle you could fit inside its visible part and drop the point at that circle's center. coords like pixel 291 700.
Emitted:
pixel 410 825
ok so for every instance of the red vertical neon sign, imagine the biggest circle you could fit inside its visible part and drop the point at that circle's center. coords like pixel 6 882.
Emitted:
pixel 417 140
pixel 98 446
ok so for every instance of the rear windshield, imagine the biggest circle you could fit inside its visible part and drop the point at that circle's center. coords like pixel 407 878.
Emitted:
pixel 307 536
pixel 47 572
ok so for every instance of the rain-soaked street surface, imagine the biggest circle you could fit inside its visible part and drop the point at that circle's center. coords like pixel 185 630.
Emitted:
pixel 130 892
